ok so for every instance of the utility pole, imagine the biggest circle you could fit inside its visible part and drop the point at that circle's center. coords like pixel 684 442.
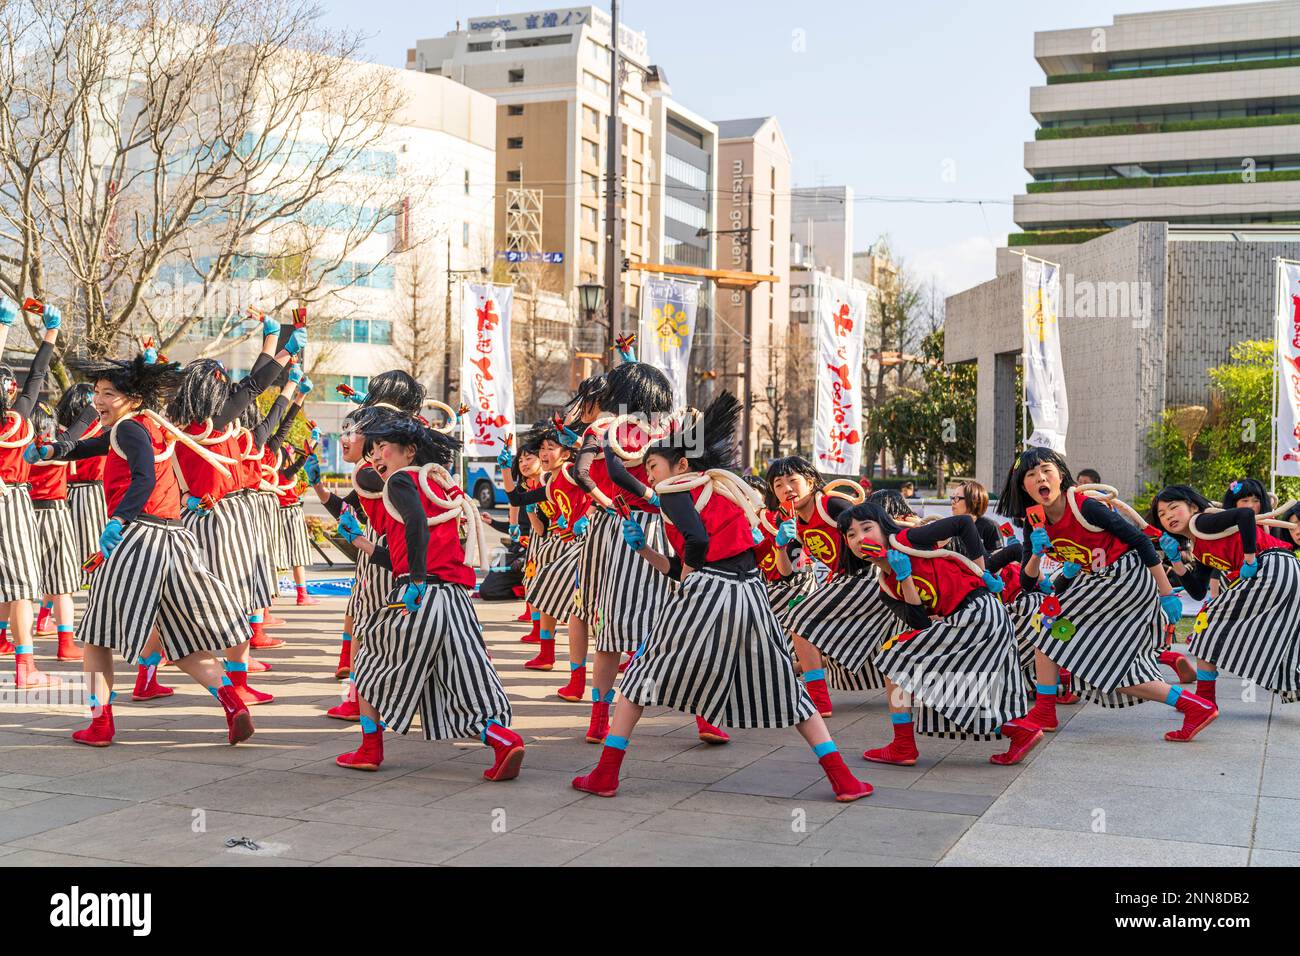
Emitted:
pixel 747 398
pixel 613 190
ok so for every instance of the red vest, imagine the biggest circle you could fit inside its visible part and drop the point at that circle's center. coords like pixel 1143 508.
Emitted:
pixel 728 528
pixel 445 558
pixel 165 501
pixel 765 550
pixel 564 497
pixel 942 582
pixel 49 482
pixel 373 507
pixel 821 540
pixel 88 469
pixel 1093 550
pixel 14 468
pixel 200 477
pixel 1010 576
pixel 1227 555
pixel 250 468
pixel 633 439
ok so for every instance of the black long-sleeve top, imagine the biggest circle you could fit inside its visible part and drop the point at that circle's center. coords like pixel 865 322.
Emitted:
pixel 282 430
pixel 294 465
pixel 989 535
pixel 405 497
pixel 136 447
pixel 587 453
pixel 80 424
pixel 31 391
pixel 1000 558
pixel 926 537
pixel 1099 516
pixel 1196 579
pixel 264 429
pixel 262 377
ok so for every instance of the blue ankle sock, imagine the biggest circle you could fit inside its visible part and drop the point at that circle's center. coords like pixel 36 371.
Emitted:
pixel 576 665
pixel 63 628
pixel 22 649
pixel 545 635
pixel 1047 690
pixel 818 674
pixel 347 638
pixel 368 726
pixel 615 741
pixel 900 718
pixel 234 667
pixel 608 697
pixel 822 749
pixel 254 619
pixel 1207 675
pixel 535 616
pixel 1174 694
pixel 153 660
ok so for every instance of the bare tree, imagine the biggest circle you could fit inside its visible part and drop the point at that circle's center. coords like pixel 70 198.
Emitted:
pixel 418 326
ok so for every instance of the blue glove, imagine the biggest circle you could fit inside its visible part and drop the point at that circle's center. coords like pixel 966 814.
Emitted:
pixel 1173 608
pixel 270 327
pixel 900 564
pixel 1040 541
pixel 150 356
pixel 786 532
pixel 297 339
pixel 756 535
pixel 561 521
pixel 580 526
pixel 653 499
pixel 315 432
pixel 413 595
pixel 993 582
pixel 515 531
pixel 111 536
pixel 304 387
pixel 531 509
pixel 1169 545
pixel 1070 570
pixel 358 398
pixel 311 468
pixel 52 317
pixel 633 536
pixel 32 454
pixel 505 458
pixel 8 313
pixel 1249 569
pixel 295 374
pixel 1045 584
pixel 349 527
pixel 195 504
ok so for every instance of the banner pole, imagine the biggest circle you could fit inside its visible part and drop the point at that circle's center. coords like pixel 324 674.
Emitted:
pixel 1278 293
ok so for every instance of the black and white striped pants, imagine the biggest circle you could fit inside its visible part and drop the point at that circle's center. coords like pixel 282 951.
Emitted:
pixel 717 651
pixel 370 590
pixel 293 530
pixel 226 538
pixel 20 575
pixel 89 515
pixel 435 661
pixel 274 555
pixel 553 588
pixel 846 620
pixel 629 592
pixel 60 569
pixel 157 577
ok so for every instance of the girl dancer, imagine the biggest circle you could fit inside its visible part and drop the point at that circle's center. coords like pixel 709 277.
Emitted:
pixel 521 475
pixel 716 650
pixel 1253 628
pixel 1106 612
pixel 789 578
pixel 955 671
pixel 154 590
pixel 291 525
pixel 86 477
pixel 431 656
pixel 19 572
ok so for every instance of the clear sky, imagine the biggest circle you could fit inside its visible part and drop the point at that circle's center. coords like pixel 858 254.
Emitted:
pixel 907 98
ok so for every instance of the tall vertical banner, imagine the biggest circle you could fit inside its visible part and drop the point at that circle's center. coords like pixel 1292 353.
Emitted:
pixel 1286 395
pixel 837 434
pixel 487 383
pixel 667 328
pixel 1045 396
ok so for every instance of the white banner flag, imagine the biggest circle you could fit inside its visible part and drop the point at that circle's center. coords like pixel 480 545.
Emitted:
pixel 1045 396
pixel 1286 434
pixel 487 383
pixel 837 435
pixel 667 327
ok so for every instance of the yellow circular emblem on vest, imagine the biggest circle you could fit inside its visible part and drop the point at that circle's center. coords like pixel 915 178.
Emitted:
pixel 821 545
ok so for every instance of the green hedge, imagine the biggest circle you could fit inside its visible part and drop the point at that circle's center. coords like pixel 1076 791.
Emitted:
pixel 1174 126
pixel 1174 71
pixel 1054 237
pixel 1142 182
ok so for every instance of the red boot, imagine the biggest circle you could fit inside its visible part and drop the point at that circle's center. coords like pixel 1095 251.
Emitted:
pixel 821 697
pixel 846 786
pixel 272 621
pixel 366 757
pixel 68 649
pixel 306 600
pixel 1198 714
pixel 533 635
pixel 545 659
pixel 146 684
pixel 28 677
pixel 901 751
pixel 1043 713
pixel 261 641
pixel 6 649
pixel 603 780
pixel 344 667
pixel 349 709
pixel 598 729
pixel 43 627
pixel 631 656
pixel 1208 689
pixel 251 697
pixel 508 747
pixel 576 688
pixel 101 729
pixel 1065 689
pixel 1023 737
pixel 710 734
pixel 239 722
pixel 257 667
pixel 1180 665
pixel 525 614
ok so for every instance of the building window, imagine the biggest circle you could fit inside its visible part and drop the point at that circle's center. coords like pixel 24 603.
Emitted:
pixel 513 176
pixel 515 76
pixel 514 109
pixel 591 150
pixel 682 171
pixel 588 250
pixel 515 142
pixel 590 217
pixel 467 182
pixel 674 208
pixel 464 234
pixel 594 83
pixel 591 117
pixel 591 183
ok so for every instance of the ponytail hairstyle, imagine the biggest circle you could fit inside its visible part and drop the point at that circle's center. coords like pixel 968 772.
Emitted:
pixel 72 403
pixel 398 389
pixel 635 388
pixel 430 446
pixel 792 465
pixel 149 384
pixel 1015 499
pixel 1247 488
pixel 205 388
pixel 891 502
pixel 1174 493
pixel 869 510
pixel 705 439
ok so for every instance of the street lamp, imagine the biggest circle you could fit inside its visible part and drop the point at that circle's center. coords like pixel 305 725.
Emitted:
pixel 591 295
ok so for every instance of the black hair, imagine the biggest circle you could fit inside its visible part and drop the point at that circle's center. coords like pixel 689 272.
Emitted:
pixel 869 510
pixel 398 389
pixel 636 388
pixel 430 445
pixel 1094 480
pixel 891 502
pixel 73 402
pixel 792 465
pixel 135 378
pixel 705 439
pixel 755 482
pixel 1247 488
pixel 588 393
pixel 1014 499
pixel 1176 493
pixel 8 382
pixel 204 389
pixel 44 422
